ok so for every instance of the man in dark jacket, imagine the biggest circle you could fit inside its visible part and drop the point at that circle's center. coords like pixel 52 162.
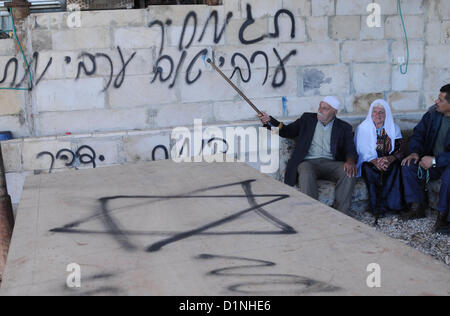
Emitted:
pixel 430 148
pixel 324 150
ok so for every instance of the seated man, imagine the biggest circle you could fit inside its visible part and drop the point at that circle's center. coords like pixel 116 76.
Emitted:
pixel 430 148
pixel 325 150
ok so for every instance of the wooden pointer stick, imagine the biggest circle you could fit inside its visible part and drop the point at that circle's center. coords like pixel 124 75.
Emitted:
pixel 234 86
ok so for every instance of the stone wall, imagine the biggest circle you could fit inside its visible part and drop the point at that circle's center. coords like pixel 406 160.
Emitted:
pixel 145 71
pixel 98 71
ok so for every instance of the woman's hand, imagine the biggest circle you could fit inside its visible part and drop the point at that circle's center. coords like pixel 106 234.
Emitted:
pixel 383 163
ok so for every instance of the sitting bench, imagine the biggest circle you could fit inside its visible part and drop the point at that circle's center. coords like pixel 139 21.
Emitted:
pixel 360 202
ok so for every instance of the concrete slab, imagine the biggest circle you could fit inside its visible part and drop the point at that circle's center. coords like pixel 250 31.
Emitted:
pixel 199 229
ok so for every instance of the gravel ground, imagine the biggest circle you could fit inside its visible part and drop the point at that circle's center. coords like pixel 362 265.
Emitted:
pixel 415 233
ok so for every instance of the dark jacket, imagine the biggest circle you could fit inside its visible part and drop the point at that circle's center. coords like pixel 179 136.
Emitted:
pixel 342 145
pixel 425 136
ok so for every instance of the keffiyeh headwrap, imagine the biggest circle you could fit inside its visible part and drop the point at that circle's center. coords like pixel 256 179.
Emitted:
pixel 366 134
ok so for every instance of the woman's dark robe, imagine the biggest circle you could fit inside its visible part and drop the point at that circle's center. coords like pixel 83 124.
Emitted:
pixel 385 188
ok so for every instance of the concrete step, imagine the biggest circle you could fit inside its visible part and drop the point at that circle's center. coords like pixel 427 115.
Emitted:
pixel 198 229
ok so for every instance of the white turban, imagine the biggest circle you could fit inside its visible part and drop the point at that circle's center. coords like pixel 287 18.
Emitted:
pixel 333 102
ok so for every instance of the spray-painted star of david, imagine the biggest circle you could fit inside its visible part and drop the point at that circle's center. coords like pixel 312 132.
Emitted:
pixel 121 235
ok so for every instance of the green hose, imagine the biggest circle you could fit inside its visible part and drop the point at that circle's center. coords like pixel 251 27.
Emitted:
pixel 23 54
pixel 406 37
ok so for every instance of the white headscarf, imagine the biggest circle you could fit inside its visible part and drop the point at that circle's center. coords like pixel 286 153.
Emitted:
pixel 366 134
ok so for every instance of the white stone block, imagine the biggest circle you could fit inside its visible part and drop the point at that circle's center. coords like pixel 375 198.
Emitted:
pixel 285 29
pixel 228 51
pixel 41 40
pixel 39 21
pixel 371 78
pixel 32 149
pixel 345 27
pixel 388 7
pixel 326 80
pixel 180 115
pixel 141 62
pixel 317 28
pixel 209 87
pixel 256 89
pixel 411 81
pixel 371 33
pixel 8 47
pixel 81 39
pixel 413 7
pixel 106 152
pixel 11 102
pixel 433 32
pixel 404 101
pixel 252 32
pixel 12 156
pixel 142 147
pixel 323 7
pixel 435 78
pixel 351 7
pixel 360 103
pixel 59 68
pixel 233 6
pixel 297 106
pixel 78 122
pixel 269 8
pixel 437 56
pixel 177 13
pixel 70 95
pixel 241 110
pixel 416 51
pixel 326 53
pixel 415 26
pixel 137 37
pixel 14 185
pixel 195 34
pixel 298 7
pixel 175 55
pixel 15 124
pixel 445 32
pixel 444 9
pixel 365 51
pixel 432 13
pixel 114 18
pixel 139 91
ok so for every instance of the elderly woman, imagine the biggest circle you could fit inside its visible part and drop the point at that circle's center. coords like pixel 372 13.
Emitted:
pixel 379 144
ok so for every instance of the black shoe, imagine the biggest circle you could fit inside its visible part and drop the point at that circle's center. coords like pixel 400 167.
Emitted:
pixel 416 211
pixel 442 226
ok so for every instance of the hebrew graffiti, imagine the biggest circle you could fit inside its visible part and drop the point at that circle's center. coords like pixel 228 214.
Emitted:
pixel 78 156
pixel 265 283
pixel 93 60
pixel 168 67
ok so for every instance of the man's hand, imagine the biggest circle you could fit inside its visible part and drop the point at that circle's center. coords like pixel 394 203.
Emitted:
pixel 264 118
pixel 427 162
pixel 350 168
pixel 413 157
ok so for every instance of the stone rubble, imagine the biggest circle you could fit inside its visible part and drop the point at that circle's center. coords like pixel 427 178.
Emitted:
pixel 416 233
